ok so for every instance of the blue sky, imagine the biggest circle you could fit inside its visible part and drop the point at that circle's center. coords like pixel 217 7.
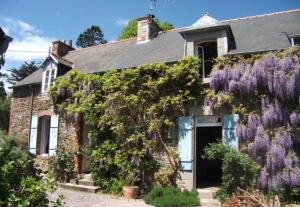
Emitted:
pixel 35 23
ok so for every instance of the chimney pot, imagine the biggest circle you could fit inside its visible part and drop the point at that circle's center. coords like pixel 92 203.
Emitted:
pixel 69 42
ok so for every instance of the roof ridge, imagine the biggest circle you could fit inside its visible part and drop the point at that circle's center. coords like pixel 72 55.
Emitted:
pixel 103 45
pixel 259 15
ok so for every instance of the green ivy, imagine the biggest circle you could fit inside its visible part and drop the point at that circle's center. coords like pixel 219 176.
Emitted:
pixel 131 113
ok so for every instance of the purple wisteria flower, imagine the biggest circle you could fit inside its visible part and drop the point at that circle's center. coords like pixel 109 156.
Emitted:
pixel 295 177
pixel 241 131
pixel 235 72
pixel 252 124
pixel 260 144
pixel 272 116
pixel 295 119
pixel 280 85
pixel 290 161
pixel 247 84
pixel 265 102
pixel 263 179
pixel 270 77
pixel 284 139
pixel 233 86
pixel 217 79
pixel 286 62
pixel 275 157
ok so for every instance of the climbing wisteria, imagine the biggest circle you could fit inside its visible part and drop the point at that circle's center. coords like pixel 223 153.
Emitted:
pixel 265 92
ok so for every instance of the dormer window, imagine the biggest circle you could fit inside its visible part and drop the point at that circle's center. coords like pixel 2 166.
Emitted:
pixel 49 75
pixel 207 52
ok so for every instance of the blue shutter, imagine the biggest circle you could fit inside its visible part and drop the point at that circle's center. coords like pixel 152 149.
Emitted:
pixel 33 134
pixel 229 134
pixel 53 134
pixel 185 135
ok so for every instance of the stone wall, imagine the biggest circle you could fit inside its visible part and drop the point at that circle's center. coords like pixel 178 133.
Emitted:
pixel 42 105
pixel 20 113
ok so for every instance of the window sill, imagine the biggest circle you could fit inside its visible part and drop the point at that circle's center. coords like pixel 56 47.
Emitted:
pixel 44 155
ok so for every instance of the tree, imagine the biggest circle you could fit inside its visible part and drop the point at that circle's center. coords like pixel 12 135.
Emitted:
pixel 90 37
pixel 131 29
pixel 18 74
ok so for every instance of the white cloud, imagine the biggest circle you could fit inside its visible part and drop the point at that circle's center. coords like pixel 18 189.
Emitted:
pixel 122 22
pixel 27 48
pixel 25 27
pixel 26 38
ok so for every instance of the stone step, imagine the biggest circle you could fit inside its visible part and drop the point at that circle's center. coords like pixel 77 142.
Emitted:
pixel 86 182
pixel 210 202
pixel 207 193
pixel 87 177
pixel 82 188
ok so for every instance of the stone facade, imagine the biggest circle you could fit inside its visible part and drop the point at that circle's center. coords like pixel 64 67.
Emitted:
pixel 28 100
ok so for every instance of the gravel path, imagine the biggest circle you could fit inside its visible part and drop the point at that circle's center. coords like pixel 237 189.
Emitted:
pixel 81 199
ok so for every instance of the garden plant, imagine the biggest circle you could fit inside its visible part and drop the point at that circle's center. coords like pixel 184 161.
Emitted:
pixel 132 116
pixel 264 90
pixel 20 184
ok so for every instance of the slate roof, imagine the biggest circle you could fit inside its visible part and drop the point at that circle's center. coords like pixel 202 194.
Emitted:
pixel 34 78
pixel 251 34
pixel 264 32
pixel 166 47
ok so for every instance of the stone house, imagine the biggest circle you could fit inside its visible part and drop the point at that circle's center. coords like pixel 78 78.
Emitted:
pixel 33 118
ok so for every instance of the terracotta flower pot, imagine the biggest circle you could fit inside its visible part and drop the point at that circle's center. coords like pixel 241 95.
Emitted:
pixel 130 191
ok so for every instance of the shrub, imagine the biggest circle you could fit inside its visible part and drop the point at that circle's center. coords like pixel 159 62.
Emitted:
pixel 19 183
pixel 62 164
pixel 287 195
pixel 238 169
pixel 113 186
pixel 32 192
pixel 172 197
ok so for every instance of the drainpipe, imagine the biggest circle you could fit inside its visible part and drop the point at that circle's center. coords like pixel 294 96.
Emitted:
pixel 30 116
pixel 185 46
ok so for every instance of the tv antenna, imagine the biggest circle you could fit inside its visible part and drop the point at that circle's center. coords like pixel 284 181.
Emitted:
pixel 152 4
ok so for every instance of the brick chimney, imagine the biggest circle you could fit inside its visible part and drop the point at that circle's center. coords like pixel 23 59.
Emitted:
pixel 60 48
pixel 147 28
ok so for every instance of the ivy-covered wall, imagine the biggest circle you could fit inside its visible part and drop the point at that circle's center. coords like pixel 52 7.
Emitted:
pixel 132 116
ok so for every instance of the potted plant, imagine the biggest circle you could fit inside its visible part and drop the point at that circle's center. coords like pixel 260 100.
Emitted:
pixel 130 190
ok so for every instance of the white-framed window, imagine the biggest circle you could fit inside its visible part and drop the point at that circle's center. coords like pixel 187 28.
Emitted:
pixel 207 52
pixel 295 40
pixel 49 75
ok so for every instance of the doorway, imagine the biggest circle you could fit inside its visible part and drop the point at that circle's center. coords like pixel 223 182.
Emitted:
pixel 85 142
pixel 45 134
pixel 208 172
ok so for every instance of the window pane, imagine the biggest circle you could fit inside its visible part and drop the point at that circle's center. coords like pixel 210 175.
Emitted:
pixel 52 76
pixel 210 52
pixel 46 83
pixel 297 41
pixel 200 56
